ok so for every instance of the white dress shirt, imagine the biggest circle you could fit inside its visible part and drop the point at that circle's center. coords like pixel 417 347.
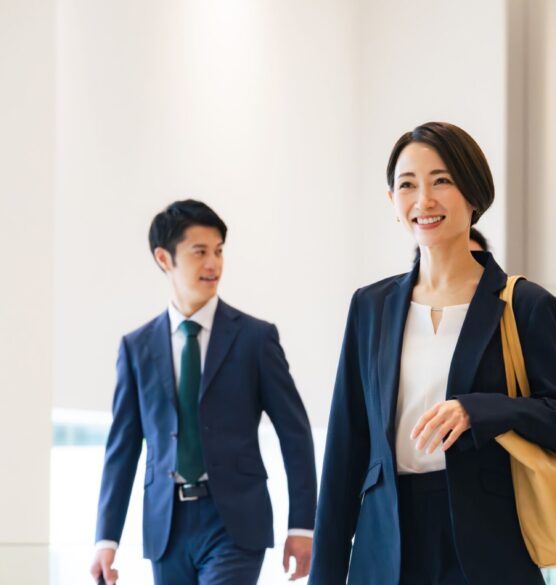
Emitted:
pixel 204 317
pixel 424 368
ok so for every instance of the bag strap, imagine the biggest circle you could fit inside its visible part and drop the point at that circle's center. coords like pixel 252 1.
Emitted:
pixel 514 363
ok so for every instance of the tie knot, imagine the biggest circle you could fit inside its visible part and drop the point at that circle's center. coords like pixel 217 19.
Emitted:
pixel 190 328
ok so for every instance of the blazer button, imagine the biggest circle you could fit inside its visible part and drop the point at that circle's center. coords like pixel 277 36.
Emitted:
pixel 174 435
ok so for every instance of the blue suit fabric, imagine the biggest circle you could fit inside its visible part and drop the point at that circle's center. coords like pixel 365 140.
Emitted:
pixel 359 494
pixel 245 373
pixel 208 556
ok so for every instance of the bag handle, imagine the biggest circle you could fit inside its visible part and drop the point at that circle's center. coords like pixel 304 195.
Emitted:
pixel 514 362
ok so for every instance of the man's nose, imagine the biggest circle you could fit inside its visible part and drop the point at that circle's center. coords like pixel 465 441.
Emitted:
pixel 211 261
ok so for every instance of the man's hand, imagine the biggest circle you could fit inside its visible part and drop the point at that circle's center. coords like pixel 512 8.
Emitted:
pixel 445 419
pixel 300 547
pixel 102 565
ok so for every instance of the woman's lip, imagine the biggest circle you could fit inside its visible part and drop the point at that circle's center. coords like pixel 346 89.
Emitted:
pixel 428 226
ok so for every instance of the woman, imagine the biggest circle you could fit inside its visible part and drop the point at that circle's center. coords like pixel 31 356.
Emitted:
pixel 411 467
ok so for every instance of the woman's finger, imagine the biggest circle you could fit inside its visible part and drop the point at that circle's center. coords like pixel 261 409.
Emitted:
pixel 453 437
pixel 422 422
pixel 440 434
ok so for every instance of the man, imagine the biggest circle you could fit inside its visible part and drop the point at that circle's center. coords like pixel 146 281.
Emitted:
pixel 193 383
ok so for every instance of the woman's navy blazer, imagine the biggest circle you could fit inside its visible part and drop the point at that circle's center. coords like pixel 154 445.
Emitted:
pixel 358 495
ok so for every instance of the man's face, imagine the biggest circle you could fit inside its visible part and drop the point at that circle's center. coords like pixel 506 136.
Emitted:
pixel 195 272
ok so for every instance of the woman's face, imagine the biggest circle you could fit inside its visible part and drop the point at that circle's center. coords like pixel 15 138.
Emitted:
pixel 426 198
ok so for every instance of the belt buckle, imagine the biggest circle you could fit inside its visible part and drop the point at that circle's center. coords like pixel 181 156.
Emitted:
pixel 186 498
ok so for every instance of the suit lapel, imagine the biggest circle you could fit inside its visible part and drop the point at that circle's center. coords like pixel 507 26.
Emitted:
pixel 224 330
pixel 482 319
pixel 480 324
pixel 394 315
pixel 160 347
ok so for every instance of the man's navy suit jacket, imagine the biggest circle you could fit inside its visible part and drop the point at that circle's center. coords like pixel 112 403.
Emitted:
pixel 245 374
pixel 358 495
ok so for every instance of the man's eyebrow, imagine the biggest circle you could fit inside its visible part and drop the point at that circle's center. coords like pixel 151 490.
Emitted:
pixel 204 246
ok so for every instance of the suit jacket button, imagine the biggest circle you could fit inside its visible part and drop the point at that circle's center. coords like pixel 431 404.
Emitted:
pixel 174 435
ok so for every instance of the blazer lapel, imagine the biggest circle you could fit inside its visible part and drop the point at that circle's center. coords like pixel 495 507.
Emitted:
pixel 160 347
pixel 394 315
pixel 480 324
pixel 224 330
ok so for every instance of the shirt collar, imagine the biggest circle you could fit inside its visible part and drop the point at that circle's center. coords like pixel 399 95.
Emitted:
pixel 204 316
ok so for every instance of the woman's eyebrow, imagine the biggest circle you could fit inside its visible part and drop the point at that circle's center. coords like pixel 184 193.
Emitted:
pixel 434 172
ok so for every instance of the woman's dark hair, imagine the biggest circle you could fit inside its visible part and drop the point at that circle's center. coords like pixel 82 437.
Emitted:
pixel 475 235
pixel 168 227
pixel 478 237
pixel 461 154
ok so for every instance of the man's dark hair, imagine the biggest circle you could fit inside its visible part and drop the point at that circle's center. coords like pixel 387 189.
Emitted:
pixel 474 235
pixel 168 227
pixel 461 154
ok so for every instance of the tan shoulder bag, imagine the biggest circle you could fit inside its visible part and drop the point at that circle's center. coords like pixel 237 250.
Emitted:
pixel 533 468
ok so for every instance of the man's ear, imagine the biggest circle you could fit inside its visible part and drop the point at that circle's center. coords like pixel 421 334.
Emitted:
pixel 163 258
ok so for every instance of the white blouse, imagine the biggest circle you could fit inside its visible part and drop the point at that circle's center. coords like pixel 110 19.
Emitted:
pixel 425 364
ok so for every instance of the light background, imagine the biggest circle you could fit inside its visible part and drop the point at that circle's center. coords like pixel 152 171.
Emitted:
pixel 281 116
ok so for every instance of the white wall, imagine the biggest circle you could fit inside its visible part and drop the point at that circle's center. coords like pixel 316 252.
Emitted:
pixel 279 115
pixel 253 108
pixel 422 61
pixel 26 210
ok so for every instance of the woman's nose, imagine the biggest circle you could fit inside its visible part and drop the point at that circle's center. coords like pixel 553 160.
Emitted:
pixel 424 199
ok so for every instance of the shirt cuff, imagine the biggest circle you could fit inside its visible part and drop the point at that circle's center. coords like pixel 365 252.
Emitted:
pixel 300 532
pixel 106 544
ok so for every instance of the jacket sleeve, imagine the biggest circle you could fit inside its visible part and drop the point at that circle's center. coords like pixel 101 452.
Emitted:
pixel 282 403
pixel 345 463
pixel 122 453
pixel 534 418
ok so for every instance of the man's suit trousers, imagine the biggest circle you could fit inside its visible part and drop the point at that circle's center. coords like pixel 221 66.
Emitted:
pixel 201 552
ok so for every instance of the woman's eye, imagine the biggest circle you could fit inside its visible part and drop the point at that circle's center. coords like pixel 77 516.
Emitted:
pixel 404 185
pixel 443 181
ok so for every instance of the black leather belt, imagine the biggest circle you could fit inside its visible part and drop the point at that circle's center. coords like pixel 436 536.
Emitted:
pixel 189 492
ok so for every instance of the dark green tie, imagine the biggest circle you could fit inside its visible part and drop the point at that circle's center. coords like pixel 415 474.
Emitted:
pixel 190 455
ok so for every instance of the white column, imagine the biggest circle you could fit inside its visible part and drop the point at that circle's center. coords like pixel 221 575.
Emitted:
pixel 539 203
pixel 26 211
